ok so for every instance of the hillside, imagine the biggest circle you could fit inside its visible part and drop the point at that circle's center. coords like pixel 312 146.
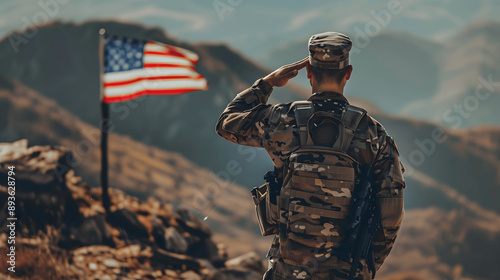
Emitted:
pixel 442 192
pixel 62 231
pixel 140 170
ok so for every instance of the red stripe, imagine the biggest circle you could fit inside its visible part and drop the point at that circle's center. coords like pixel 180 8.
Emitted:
pixel 127 82
pixel 149 92
pixel 167 65
pixel 174 54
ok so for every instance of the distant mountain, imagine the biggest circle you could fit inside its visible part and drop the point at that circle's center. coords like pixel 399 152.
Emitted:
pixel 470 80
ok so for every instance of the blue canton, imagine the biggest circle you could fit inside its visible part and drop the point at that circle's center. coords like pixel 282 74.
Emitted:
pixel 122 53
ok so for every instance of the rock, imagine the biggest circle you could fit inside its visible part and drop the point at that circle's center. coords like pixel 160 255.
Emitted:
pixel 190 275
pixel 207 249
pixel 158 232
pixel 235 274
pixel 171 273
pixel 249 261
pixel 93 230
pixel 192 224
pixel 174 260
pixel 174 241
pixel 92 266
pixel 111 263
pixel 42 165
pixel 42 194
pixel 128 221
pixel 128 252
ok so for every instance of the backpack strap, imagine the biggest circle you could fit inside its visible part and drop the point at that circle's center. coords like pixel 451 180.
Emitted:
pixel 303 111
pixel 351 118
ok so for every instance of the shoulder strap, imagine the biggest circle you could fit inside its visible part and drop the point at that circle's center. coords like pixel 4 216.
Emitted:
pixel 351 118
pixel 303 111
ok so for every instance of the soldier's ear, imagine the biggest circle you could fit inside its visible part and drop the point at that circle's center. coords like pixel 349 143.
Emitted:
pixel 309 73
pixel 348 73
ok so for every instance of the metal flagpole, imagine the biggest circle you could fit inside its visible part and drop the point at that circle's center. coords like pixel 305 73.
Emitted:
pixel 104 125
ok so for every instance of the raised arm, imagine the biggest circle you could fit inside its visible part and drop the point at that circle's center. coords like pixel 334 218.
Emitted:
pixel 245 119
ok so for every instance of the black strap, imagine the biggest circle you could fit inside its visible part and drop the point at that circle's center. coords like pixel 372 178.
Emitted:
pixel 351 118
pixel 303 111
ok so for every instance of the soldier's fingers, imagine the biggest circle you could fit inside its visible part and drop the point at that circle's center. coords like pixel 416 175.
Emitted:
pixel 298 65
pixel 291 74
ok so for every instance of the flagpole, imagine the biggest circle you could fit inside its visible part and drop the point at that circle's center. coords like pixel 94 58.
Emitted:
pixel 104 125
pixel 106 203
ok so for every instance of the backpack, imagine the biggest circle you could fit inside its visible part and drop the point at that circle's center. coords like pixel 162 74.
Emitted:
pixel 317 187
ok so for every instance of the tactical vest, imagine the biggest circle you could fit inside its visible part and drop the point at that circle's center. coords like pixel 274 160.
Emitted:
pixel 320 176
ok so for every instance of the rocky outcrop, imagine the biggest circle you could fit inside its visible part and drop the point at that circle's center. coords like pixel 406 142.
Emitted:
pixel 138 240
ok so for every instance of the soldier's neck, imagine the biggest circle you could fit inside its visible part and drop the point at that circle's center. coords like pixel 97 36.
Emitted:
pixel 328 87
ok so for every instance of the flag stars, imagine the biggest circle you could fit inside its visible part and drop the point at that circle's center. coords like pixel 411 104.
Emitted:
pixel 123 54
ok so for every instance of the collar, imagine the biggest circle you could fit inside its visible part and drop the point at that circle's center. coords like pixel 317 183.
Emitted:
pixel 328 95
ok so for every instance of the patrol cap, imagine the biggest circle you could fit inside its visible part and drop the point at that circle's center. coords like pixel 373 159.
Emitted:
pixel 329 50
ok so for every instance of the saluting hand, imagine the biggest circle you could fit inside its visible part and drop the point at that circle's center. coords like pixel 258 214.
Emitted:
pixel 281 76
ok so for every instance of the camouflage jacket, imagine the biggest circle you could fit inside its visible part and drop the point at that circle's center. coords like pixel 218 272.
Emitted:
pixel 249 121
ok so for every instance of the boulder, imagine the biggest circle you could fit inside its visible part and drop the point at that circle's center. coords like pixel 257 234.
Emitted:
pixel 192 224
pixel 174 241
pixel 127 220
pixel 250 261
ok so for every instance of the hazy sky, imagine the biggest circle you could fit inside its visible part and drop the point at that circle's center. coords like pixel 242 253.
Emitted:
pixel 255 26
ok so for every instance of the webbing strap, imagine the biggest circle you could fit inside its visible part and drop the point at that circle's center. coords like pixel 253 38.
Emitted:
pixel 342 201
pixel 340 172
pixel 303 111
pixel 320 212
pixel 351 119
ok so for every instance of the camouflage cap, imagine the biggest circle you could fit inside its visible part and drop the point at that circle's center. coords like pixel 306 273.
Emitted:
pixel 329 50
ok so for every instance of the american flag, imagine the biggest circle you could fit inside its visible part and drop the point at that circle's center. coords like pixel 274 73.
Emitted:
pixel 135 67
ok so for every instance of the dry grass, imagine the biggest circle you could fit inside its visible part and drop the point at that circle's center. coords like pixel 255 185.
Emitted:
pixel 37 262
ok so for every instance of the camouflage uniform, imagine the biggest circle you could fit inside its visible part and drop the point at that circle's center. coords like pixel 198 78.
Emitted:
pixel 249 120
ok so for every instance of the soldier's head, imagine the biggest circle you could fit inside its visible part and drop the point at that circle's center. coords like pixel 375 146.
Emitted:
pixel 329 60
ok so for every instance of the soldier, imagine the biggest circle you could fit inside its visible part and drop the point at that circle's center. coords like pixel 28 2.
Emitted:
pixel 249 120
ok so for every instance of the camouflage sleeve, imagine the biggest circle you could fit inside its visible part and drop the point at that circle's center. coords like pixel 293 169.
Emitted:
pixel 389 184
pixel 245 118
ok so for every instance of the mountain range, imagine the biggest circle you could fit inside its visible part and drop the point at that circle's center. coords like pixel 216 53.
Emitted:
pixel 420 77
pixel 166 148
